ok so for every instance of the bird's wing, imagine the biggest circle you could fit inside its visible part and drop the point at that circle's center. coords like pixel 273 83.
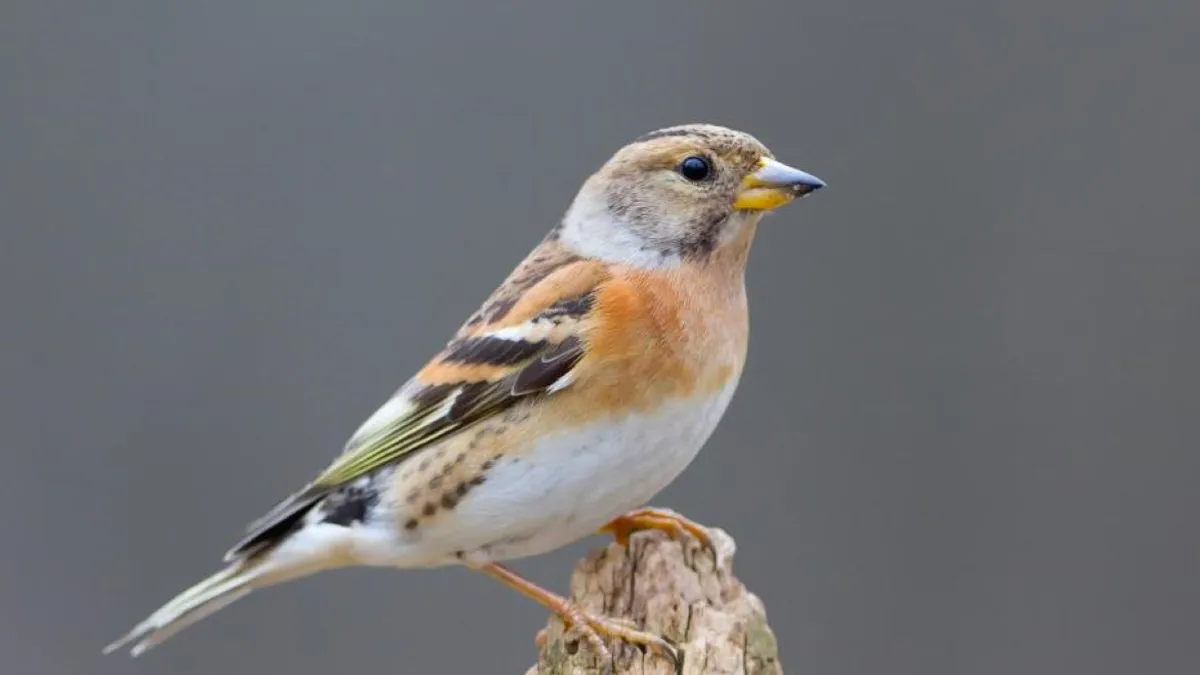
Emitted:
pixel 523 343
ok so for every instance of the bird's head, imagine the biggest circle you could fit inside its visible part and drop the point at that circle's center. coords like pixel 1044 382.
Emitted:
pixel 679 194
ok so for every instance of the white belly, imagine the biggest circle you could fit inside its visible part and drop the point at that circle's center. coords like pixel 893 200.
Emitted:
pixel 571 483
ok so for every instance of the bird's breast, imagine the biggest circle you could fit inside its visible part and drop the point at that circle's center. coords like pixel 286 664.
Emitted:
pixel 661 366
pixel 570 481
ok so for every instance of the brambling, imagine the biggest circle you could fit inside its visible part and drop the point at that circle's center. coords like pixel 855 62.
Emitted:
pixel 584 385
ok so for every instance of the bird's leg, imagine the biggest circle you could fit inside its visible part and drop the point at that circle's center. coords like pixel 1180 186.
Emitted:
pixel 668 521
pixel 593 627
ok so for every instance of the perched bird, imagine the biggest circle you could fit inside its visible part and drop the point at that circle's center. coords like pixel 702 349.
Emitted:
pixel 584 385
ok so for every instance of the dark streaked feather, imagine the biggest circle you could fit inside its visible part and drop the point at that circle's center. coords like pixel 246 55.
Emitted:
pixel 491 351
pixel 276 524
pixel 571 307
pixel 548 369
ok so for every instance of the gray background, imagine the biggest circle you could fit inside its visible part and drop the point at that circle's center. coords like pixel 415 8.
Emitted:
pixel 966 438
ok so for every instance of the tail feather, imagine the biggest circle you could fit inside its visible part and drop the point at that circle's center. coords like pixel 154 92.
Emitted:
pixel 310 548
pixel 199 601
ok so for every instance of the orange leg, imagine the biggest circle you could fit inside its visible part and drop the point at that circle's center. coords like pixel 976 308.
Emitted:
pixel 593 627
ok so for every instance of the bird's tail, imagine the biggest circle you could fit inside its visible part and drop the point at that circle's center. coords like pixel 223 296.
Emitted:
pixel 302 551
pixel 214 593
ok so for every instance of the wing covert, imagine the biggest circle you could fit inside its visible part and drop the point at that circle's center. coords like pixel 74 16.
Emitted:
pixel 473 378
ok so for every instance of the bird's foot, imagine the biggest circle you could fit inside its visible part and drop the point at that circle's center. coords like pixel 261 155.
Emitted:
pixel 668 521
pixel 592 628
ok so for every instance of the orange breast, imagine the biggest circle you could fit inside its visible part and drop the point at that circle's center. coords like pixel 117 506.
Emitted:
pixel 662 334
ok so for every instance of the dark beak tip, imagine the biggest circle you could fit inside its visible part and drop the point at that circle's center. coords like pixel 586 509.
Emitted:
pixel 810 187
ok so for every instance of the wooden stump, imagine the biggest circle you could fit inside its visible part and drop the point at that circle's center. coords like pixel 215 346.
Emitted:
pixel 672 588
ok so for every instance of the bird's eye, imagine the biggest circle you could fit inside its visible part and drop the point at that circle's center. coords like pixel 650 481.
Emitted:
pixel 695 168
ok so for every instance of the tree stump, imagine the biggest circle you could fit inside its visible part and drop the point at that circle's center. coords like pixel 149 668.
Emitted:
pixel 675 589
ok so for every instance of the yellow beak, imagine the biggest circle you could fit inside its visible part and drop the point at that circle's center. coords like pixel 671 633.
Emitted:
pixel 774 184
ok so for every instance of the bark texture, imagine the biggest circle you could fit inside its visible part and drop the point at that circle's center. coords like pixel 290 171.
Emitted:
pixel 673 588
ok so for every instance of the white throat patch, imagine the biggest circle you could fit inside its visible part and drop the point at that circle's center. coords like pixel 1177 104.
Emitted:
pixel 590 230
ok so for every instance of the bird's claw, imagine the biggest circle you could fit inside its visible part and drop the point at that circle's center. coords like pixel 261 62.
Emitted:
pixel 665 520
pixel 594 629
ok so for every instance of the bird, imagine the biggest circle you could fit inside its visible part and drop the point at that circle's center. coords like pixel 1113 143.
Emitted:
pixel 584 385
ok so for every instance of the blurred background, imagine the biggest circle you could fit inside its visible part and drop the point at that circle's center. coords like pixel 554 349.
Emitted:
pixel 966 440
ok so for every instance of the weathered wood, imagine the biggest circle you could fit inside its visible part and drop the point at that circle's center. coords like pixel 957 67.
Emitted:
pixel 675 589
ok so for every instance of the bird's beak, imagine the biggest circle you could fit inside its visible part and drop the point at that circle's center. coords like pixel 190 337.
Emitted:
pixel 774 184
